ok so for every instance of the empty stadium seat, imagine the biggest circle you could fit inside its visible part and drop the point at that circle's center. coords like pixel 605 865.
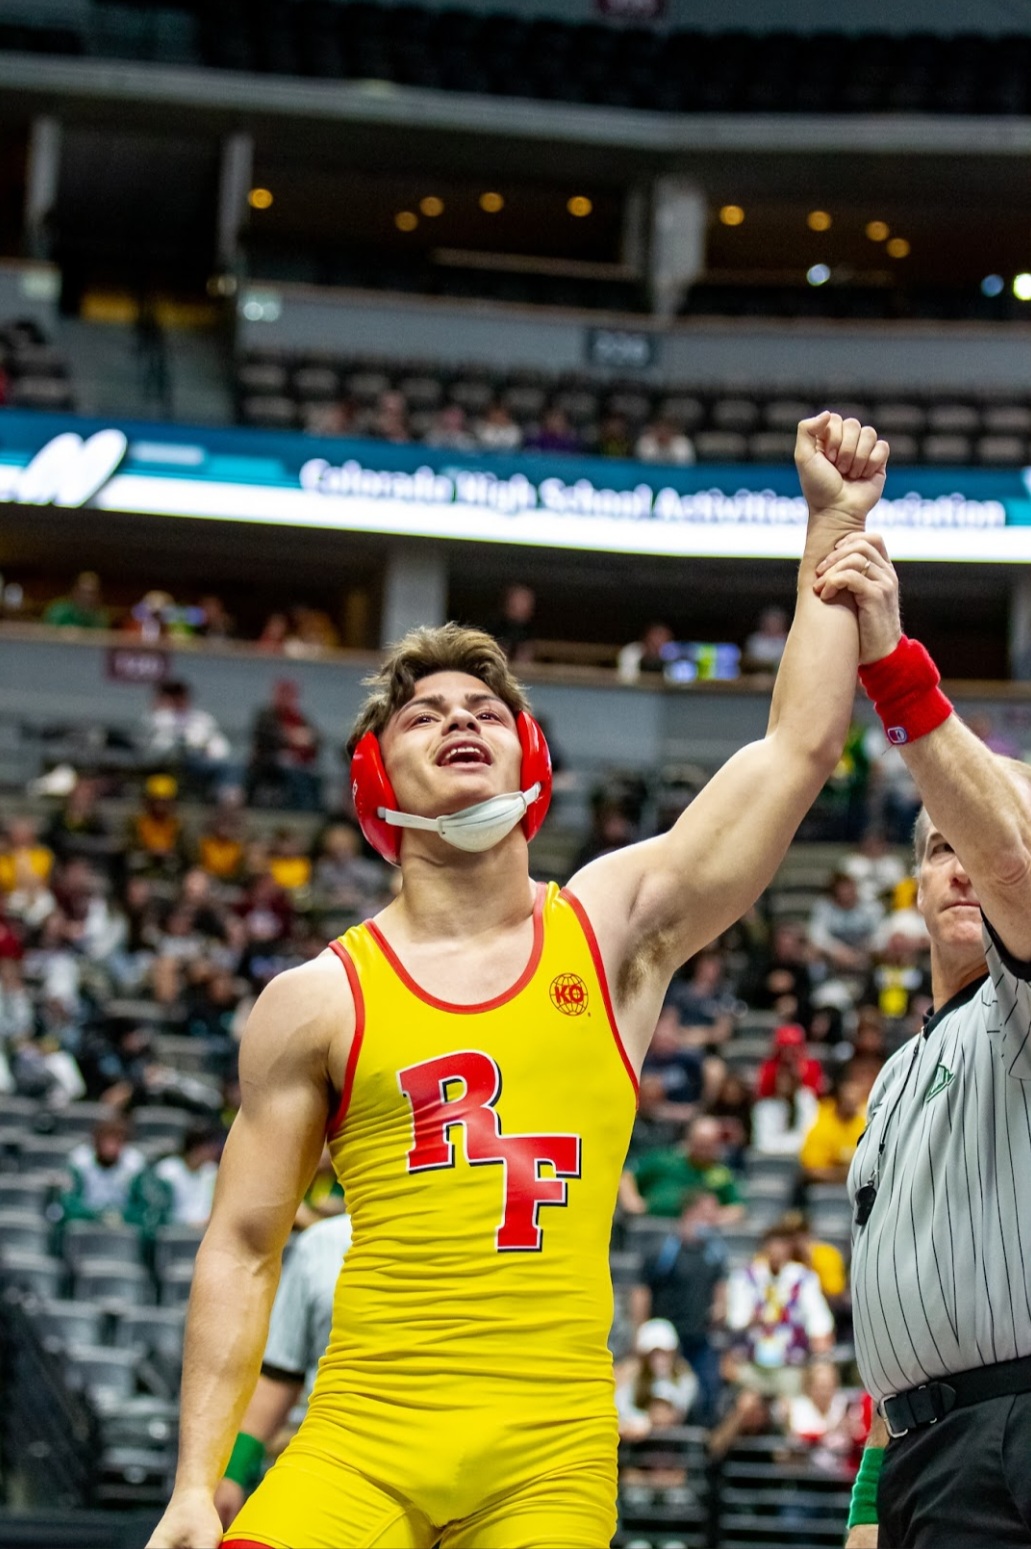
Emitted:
pixel 175 1245
pixel 25 1229
pixel 92 1240
pixel 40 1273
pixel 107 1280
pixel 105 1373
pixel 26 1191
pixel 175 1283
pixel 70 1322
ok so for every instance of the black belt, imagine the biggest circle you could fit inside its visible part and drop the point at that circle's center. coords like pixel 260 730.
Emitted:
pixel 932 1401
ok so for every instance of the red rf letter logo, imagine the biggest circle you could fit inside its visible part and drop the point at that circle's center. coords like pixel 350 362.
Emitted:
pixel 463 1088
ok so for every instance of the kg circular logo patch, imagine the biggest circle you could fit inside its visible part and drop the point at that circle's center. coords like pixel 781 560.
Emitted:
pixel 569 994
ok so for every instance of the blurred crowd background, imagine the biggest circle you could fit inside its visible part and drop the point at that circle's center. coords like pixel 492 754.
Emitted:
pixel 622 241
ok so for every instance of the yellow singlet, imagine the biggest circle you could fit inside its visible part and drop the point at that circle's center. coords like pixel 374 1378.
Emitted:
pixel 467 1379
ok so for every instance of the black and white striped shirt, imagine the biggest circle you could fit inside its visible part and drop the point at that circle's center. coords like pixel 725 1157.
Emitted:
pixel 941 1271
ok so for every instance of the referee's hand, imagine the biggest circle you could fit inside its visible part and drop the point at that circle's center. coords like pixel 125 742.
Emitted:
pixel 864 1537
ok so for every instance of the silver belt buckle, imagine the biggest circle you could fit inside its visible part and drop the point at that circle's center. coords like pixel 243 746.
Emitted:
pixel 887 1423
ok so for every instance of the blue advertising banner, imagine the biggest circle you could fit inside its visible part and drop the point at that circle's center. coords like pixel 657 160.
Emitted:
pixel 601 504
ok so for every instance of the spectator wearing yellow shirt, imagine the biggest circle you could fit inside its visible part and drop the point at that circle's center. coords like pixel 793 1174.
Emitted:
pixel 24 861
pixel 288 861
pixel 823 1258
pixel 830 1145
pixel 220 847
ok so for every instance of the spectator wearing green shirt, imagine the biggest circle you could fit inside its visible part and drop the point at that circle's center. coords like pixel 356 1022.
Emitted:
pixel 656 1183
pixel 82 608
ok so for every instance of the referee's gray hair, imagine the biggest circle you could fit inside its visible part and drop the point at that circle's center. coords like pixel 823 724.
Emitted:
pixel 923 825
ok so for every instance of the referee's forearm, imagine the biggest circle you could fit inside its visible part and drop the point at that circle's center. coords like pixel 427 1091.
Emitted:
pixel 878 1436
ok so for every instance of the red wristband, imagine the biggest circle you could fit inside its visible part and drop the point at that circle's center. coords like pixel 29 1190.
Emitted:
pixel 905 693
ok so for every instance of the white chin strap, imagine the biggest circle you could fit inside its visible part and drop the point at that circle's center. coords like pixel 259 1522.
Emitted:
pixel 480 827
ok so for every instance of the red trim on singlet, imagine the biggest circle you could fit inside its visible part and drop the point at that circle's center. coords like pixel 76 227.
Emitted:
pixel 599 968
pixel 336 1122
pixel 483 1005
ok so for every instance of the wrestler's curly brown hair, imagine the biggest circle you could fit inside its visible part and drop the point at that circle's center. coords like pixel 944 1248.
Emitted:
pixel 447 648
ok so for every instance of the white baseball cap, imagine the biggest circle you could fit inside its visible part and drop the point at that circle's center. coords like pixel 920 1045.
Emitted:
pixel 656 1334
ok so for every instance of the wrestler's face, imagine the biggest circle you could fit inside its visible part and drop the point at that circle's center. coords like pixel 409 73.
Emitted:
pixel 946 897
pixel 453 744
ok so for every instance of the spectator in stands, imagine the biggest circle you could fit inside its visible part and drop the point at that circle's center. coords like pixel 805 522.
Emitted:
pixel 151 618
pixel 17 1013
pixel 216 623
pixel 555 433
pixel 874 867
pixel 344 877
pixel 278 636
pixel 102 1172
pixel 221 843
pixel 869 1048
pixel 657 1388
pixel 659 1182
pixel 512 626
pixel 764 647
pixel 30 902
pixel 614 437
pixel 830 1145
pixel 788 1048
pixel 612 827
pixel 780 977
pixel 390 419
pixel 449 430
pixel 24 858
pixel 655 1126
pixel 823 1418
pixel 313 631
pixel 777 1318
pixel 841 934
pixel 497 431
pixel 685 1281
pixel 708 1007
pixel 644 655
pixel 900 972
pixel 157 841
pixel 825 1260
pixel 678 1068
pixel 212 1001
pixel 79 827
pixel 178 1190
pixel 893 798
pixel 732 1104
pixel 285 748
pixel 781 1121
pixel 82 608
pixel 662 442
pixel 288 860
pixel 177 736
pixel 331 419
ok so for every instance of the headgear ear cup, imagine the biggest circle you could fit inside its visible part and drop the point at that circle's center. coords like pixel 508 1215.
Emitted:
pixel 371 790
pixel 536 767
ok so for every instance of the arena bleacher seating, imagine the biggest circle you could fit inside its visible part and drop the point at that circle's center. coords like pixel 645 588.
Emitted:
pixel 283 392
pixel 505 54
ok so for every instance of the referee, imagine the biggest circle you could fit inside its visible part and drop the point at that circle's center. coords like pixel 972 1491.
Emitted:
pixel 941 1181
pixel 299 1329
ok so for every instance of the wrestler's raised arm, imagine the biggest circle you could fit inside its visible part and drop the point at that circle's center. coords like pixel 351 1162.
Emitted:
pixel 654 904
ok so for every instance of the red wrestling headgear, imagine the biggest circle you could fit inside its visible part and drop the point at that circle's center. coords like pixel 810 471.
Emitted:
pixel 373 794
